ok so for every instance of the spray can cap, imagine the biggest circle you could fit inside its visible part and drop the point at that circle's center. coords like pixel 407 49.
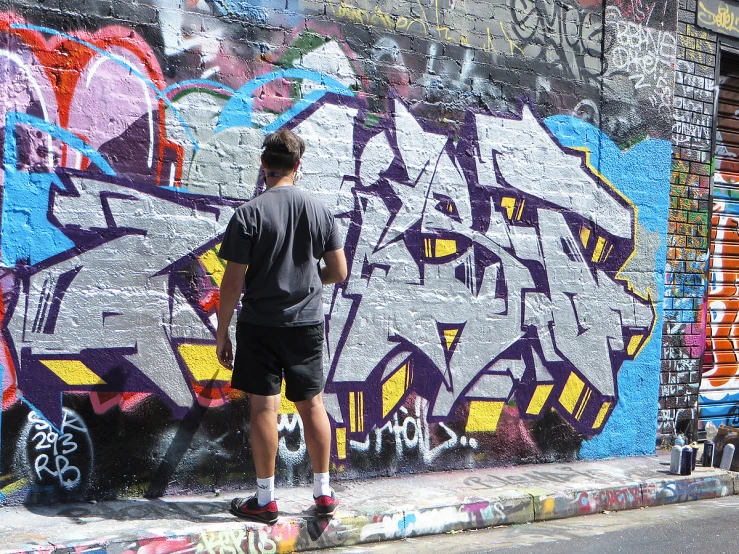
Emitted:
pixel 711 431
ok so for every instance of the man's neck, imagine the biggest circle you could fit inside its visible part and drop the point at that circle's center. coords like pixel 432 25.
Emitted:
pixel 274 179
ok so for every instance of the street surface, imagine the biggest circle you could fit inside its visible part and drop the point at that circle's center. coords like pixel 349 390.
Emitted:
pixel 705 526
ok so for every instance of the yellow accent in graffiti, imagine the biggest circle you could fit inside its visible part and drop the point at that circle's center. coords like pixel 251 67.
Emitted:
pixel 420 21
pixel 352 412
pixel 520 209
pixel 483 416
pixel 584 236
pixel 643 294
pixel 394 388
pixel 360 412
pixel 634 344
pixel 541 394
pixel 286 407
pixel 73 372
pixel 202 362
pixel 356 412
pixel 438 248
pixel 511 43
pixel 445 247
pixel 213 266
pixel 548 507
pixel 601 414
pixel 450 335
pixel 724 19
pixel 583 405
pixel 341 443
pixel 605 258
pixel 571 392
pixel 598 249
pixel 13 487
pixel 509 204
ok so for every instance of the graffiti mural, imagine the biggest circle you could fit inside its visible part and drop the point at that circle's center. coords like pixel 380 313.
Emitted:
pixel 471 244
pixel 505 260
pixel 67 321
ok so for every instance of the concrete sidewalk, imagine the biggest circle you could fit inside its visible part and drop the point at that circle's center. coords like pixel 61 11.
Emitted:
pixel 370 511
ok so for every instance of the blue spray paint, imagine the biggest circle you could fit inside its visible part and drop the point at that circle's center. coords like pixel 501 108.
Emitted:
pixel 642 174
pixel 241 8
pixel 260 11
pixel 27 233
pixel 406 524
pixel 238 110
pixel 720 409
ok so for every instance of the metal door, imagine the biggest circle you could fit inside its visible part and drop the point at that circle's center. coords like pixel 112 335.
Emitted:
pixel 719 389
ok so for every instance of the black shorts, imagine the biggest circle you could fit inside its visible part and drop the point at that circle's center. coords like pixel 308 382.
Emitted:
pixel 263 354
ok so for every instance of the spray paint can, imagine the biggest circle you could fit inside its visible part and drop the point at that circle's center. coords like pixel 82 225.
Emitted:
pixel 694 447
pixel 727 457
pixel 709 451
pixel 686 460
pixel 676 459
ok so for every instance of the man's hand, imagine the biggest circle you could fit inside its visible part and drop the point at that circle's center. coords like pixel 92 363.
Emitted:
pixel 224 351
pixel 231 285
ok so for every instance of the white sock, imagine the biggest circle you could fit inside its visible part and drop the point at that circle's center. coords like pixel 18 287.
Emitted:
pixel 265 490
pixel 320 485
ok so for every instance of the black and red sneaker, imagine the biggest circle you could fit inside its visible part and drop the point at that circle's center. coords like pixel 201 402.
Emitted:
pixel 249 508
pixel 326 505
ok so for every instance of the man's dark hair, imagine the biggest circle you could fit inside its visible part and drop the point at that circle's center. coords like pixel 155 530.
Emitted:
pixel 282 150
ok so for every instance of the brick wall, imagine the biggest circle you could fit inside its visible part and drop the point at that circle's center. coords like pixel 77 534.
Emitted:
pixel 501 184
pixel 684 331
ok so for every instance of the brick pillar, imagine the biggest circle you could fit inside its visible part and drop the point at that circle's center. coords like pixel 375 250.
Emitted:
pixel 688 230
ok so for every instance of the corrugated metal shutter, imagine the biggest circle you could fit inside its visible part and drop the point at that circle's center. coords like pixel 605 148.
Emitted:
pixel 719 390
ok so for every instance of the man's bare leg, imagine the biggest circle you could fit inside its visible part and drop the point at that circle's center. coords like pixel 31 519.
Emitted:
pixel 264 441
pixel 317 432
pixel 318 440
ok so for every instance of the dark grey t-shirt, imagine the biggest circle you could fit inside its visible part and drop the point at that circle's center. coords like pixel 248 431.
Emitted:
pixel 281 235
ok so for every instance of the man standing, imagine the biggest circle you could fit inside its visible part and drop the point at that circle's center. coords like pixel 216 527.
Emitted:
pixel 281 236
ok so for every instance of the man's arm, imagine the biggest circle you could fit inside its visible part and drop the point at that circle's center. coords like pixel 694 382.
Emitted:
pixel 231 287
pixel 335 269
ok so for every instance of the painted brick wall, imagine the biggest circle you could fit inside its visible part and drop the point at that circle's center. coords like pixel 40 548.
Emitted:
pixel 685 314
pixel 500 172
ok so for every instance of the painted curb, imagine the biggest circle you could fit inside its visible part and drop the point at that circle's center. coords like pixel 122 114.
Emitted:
pixel 563 504
pixel 301 534
pixel 658 492
pixel 508 508
pixel 652 492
